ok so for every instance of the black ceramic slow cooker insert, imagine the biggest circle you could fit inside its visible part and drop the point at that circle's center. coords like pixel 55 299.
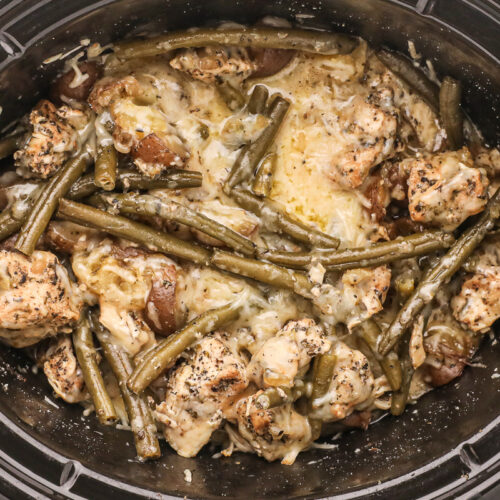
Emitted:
pixel 446 446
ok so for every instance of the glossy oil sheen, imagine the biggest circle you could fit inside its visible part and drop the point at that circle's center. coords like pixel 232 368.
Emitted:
pixel 446 445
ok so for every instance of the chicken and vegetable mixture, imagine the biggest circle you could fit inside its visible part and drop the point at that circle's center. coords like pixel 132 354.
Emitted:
pixel 242 235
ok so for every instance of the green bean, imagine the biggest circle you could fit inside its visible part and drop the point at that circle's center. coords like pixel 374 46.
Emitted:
pixel 87 359
pixel 369 331
pixel 278 396
pixel 262 271
pixel 231 96
pixel 400 397
pixel 9 144
pixel 138 411
pixel 250 156
pixel 322 374
pixel 46 203
pixel 133 231
pixel 150 206
pixel 452 119
pixel 413 76
pixel 369 256
pixel 166 352
pixel 105 168
pixel 258 99
pixel 131 179
pixel 263 181
pixel 275 219
pixel 8 225
pixel 439 273
pixel 320 42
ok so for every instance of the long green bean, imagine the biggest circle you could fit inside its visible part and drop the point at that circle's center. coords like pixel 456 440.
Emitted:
pixel 46 204
pixel 131 179
pixel 275 219
pixel 251 155
pixel 400 397
pixel 322 374
pixel 87 359
pixel 262 271
pixel 151 206
pixel 413 76
pixel 452 119
pixel 9 144
pixel 133 231
pixel 105 168
pixel 369 331
pixel 167 351
pixel 85 186
pixel 321 42
pixel 438 274
pixel 263 181
pixel 258 100
pixel 138 411
pixel 372 255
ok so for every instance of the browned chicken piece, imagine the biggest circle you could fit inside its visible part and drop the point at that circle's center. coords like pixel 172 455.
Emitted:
pixel 214 64
pixel 52 139
pixel 357 296
pixel 37 298
pixel 198 394
pixel 449 348
pixel 109 89
pixel 281 357
pixel 276 433
pixel 478 303
pixel 351 385
pixel 445 189
pixel 369 129
pixel 63 371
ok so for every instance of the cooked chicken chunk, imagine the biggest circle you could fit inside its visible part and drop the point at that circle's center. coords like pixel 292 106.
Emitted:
pixel 52 139
pixel 282 357
pixel 445 189
pixel 358 295
pixel 199 391
pixel 478 303
pixel 214 64
pixel 63 371
pixel 275 433
pixel 37 298
pixel 129 285
pixel 351 385
pixel 110 89
pixel 369 129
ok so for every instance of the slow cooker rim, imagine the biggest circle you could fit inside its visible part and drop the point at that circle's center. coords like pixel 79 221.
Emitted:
pixel 482 477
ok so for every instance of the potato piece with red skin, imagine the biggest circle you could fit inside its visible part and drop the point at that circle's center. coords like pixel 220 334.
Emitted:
pixel 269 61
pixel 62 86
pixel 152 154
pixel 161 313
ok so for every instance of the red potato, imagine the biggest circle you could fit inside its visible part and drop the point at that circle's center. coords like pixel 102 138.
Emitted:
pixel 62 85
pixel 270 61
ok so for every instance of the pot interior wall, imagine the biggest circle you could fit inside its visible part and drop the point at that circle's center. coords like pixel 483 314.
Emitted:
pixel 68 454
